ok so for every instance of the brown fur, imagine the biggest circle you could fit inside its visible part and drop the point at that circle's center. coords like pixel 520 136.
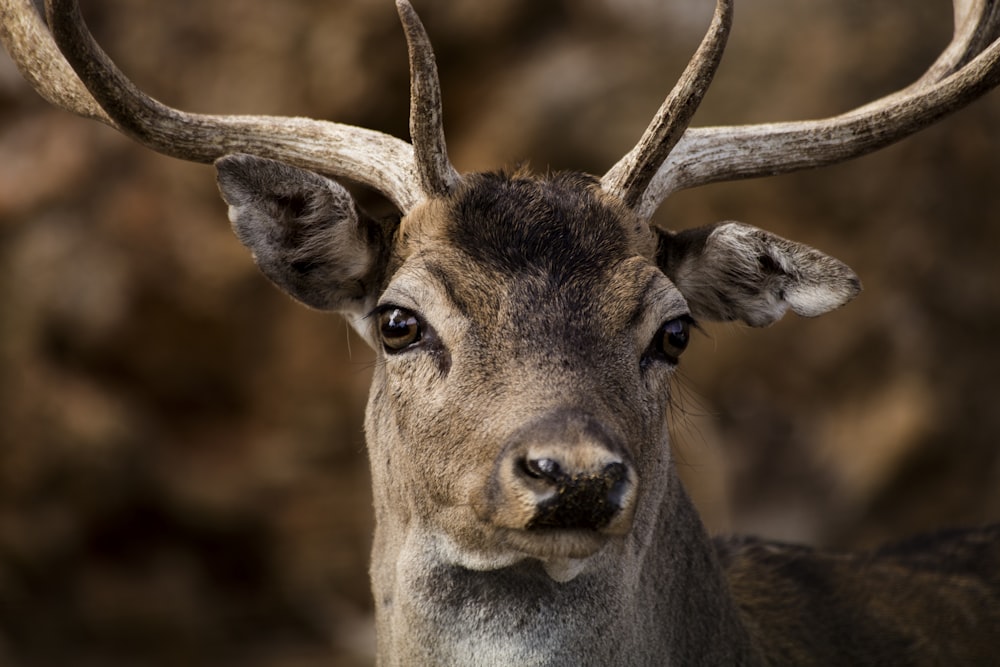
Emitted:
pixel 933 600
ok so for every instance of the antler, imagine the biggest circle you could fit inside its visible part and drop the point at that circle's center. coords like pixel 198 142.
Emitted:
pixel 968 68
pixel 31 47
pixel 405 174
pixel 630 177
pixel 437 176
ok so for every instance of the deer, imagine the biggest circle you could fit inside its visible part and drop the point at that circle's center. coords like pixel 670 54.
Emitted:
pixel 528 329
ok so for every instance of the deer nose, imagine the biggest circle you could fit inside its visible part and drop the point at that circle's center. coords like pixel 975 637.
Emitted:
pixel 574 496
pixel 564 470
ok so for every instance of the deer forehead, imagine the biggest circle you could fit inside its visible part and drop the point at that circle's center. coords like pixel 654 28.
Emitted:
pixel 519 250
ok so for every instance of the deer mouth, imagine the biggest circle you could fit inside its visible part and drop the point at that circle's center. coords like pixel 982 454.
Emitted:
pixel 562 553
pixel 556 543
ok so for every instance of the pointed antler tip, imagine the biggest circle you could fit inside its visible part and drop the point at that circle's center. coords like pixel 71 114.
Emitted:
pixel 404 7
pixel 408 16
pixel 437 176
pixel 632 176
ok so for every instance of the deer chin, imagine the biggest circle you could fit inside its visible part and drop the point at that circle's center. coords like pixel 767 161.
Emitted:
pixel 564 569
pixel 564 554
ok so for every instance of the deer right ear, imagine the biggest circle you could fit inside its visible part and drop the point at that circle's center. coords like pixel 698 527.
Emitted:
pixel 305 231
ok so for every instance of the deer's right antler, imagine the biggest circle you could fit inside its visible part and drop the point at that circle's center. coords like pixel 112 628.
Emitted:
pixel 968 68
pixel 70 70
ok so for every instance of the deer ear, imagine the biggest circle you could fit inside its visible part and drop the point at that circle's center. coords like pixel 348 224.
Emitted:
pixel 733 271
pixel 305 231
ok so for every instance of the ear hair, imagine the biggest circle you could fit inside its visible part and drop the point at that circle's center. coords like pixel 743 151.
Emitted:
pixel 733 271
pixel 305 231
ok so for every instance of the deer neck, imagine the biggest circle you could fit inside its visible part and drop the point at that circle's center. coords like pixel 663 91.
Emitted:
pixel 657 596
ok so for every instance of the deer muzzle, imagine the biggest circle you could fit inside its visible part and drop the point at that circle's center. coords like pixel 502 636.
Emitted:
pixel 587 498
pixel 565 473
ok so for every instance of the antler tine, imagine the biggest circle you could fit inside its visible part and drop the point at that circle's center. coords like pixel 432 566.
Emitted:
pixel 437 176
pixel 968 68
pixel 36 55
pixel 977 23
pixel 371 158
pixel 630 177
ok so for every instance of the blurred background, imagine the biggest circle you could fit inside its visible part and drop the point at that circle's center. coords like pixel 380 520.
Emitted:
pixel 183 478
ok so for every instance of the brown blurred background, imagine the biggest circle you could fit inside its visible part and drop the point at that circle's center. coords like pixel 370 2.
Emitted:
pixel 182 470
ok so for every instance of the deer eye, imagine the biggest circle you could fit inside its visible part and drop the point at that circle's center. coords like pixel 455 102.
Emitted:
pixel 399 328
pixel 671 339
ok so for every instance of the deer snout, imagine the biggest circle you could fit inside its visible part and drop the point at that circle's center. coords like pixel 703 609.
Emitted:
pixel 564 472
pixel 575 496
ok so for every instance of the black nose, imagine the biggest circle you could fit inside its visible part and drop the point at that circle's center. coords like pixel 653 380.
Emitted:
pixel 583 500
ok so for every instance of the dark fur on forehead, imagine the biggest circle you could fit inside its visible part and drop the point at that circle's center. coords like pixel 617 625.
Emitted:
pixel 560 225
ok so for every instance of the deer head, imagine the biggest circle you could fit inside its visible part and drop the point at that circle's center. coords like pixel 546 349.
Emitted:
pixel 527 327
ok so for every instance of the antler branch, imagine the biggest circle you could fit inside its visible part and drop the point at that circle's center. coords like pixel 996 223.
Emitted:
pixel 631 176
pixel 30 46
pixel 968 68
pixel 73 73
pixel 437 176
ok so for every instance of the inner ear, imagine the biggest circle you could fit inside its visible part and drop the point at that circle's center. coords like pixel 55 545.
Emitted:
pixel 306 232
pixel 732 271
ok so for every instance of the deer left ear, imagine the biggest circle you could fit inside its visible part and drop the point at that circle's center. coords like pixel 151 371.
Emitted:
pixel 731 271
